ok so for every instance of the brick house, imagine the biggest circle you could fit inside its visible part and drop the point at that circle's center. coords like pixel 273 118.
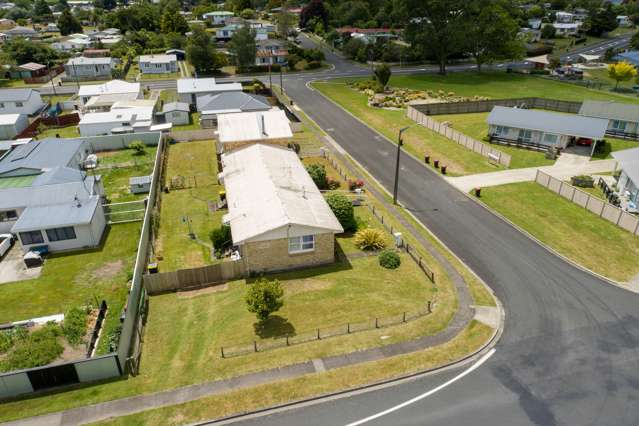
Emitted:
pixel 278 217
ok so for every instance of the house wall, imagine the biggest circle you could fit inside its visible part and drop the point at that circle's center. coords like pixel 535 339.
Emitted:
pixel 631 128
pixel 177 117
pixel 5 227
pixel 627 185
pixel 97 129
pixel 155 68
pixel 10 131
pixel 28 107
pixel 88 70
pixel 273 255
pixel 537 137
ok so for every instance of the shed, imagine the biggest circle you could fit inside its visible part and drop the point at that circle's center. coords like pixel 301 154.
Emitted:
pixel 12 125
pixel 176 113
pixel 140 184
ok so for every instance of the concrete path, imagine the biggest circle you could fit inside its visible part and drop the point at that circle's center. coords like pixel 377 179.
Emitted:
pixel 571 165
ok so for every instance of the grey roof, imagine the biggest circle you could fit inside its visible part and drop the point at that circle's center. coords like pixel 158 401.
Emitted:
pixel 610 110
pixel 59 175
pixel 544 121
pixel 629 162
pixel 139 180
pixel 44 195
pixel 244 102
pixel 15 94
pixel 57 215
pixel 20 30
pixel 43 154
pixel 176 106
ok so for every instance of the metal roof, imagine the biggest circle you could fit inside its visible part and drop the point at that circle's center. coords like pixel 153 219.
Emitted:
pixel 44 154
pixel 15 94
pixel 629 162
pixel 45 195
pixel 9 119
pixel 610 110
pixel 203 85
pixel 110 87
pixel 57 215
pixel 118 116
pixel 233 101
pixel 268 188
pixel 176 106
pixel 32 66
pixel 139 180
pixel 81 60
pixel 158 59
pixel 549 122
pixel 253 126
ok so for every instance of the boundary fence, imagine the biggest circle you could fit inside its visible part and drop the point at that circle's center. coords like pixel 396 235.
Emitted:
pixel 589 202
pixel 190 279
pixel 487 106
pixel 97 328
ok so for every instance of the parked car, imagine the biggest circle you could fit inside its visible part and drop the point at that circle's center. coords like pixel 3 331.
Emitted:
pixel 6 242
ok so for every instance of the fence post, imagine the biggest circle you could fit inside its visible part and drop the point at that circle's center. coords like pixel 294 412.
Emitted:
pixel 318 335
pixel 348 328
pixel 376 323
pixel 420 262
pixel 287 340
pixel 255 345
pixel 430 310
pixel 382 219
pixel 222 351
pixel 404 317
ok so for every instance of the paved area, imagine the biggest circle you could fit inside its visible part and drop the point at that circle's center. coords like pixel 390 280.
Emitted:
pixel 12 267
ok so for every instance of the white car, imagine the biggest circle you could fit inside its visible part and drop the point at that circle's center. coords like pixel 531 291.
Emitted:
pixel 6 241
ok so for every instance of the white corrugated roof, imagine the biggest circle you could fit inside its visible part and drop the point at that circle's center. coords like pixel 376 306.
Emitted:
pixel 119 115
pixel 113 86
pixel 253 126
pixel 268 188
pixel 203 85
pixel 158 59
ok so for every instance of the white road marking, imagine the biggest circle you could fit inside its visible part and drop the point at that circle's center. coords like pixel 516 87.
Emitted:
pixel 426 394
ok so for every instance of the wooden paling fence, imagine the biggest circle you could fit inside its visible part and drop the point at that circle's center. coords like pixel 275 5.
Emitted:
pixel 189 279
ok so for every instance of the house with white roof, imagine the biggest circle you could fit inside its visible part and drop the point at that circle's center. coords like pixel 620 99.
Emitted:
pixel 21 32
pixel 72 43
pixel 20 101
pixel 566 29
pixel 124 120
pixel 217 17
pixel 158 64
pixel 624 21
pixel 279 219
pixel 236 130
pixel 47 200
pixel 108 93
pixel 271 52
pixel 89 68
pixel 190 89
pixel 11 125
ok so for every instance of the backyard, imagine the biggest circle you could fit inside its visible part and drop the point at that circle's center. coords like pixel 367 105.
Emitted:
pixel 571 230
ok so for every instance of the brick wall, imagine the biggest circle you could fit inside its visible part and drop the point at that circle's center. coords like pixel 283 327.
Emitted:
pixel 273 255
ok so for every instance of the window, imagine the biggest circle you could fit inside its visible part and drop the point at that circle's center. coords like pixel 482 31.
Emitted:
pixel 550 139
pixel 31 237
pixel 61 234
pixel 1 104
pixel 501 130
pixel 301 244
pixel 19 104
pixel 525 135
pixel 8 215
pixel 619 125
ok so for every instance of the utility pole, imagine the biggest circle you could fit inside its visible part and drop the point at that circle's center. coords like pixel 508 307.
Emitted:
pixel 399 150
pixel 270 82
pixel 281 82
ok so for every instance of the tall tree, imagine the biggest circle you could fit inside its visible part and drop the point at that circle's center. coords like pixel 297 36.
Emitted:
pixel 313 12
pixel 173 22
pixel 68 24
pixel 285 21
pixel 382 75
pixel 201 52
pixel 61 5
pixel 22 51
pixel 439 30
pixel 621 71
pixel 601 21
pixel 41 11
pixel 243 46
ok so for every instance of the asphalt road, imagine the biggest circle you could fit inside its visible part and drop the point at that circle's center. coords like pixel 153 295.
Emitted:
pixel 568 354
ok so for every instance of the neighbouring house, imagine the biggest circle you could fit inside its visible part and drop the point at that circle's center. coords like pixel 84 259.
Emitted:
pixel 623 119
pixel 534 23
pixel 7 24
pixel 218 17
pixel 632 56
pixel 566 29
pixel 564 17
pixel 271 52
pixel 51 28
pixel 116 121
pixel 543 129
pixel 21 32
pixel 179 54
pixel 176 113
pixel 72 43
pixel 236 130
pixel 80 5
pixel 20 101
pixel 106 94
pixel 11 125
pixel 90 68
pixel 624 21
pixel 229 102
pixel 47 200
pixel 158 64
pixel 191 89
pixel 628 183
pixel 38 73
pixel 369 35
pixel 279 219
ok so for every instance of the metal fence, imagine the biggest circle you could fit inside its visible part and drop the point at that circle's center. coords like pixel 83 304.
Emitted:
pixel 189 279
pixel 589 202
pixel 466 141
pixel 130 211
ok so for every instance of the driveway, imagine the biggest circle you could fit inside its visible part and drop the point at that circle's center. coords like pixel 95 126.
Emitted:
pixel 12 267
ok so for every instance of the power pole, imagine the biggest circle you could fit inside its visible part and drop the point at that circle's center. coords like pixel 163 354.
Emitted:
pixel 399 150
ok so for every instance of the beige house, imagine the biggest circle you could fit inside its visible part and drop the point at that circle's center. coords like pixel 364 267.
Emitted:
pixel 236 130
pixel 278 217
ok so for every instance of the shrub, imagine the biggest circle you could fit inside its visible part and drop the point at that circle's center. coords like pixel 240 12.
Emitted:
pixel 6 341
pixel 138 147
pixel 301 65
pixel 114 338
pixel 355 184
pixel 584 181
pixel 74 325
pixel 318 174
pixel 332 184
pixel 370 239
pixel 313 65
pixel 264 297
pixel 389 259
pixel 220 237
pixel 343 210
pixel 40 347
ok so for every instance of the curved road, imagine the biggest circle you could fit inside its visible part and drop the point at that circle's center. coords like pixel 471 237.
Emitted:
pixel 568 354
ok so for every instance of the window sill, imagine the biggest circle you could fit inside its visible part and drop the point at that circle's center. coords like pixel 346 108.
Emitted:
pixel 298 252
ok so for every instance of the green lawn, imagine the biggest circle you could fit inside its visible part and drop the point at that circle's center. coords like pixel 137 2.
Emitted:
pixel 571 230
pixel 194 123
pixel 55 99
pixel 133 72
pixel 127 157
pixel 162 76
pixel 174 248
pixel 63 132
pixel 167 95
pixel 16 83
pixel 116 179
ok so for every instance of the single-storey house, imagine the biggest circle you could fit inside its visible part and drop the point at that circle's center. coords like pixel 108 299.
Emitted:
pixel 179 54
pixel 47 200
pixel 543 129
pixel 176 113
pixel 217 17
pixel 125 120
pixel 89 68
pixel 33 71
pixel 236 130
pixel 279 219
pixel 158 64
pixel 191 89
pixel 623 119
pixel 72 43
pixel 624 21
pixel 21 32
pixel 229 102
pixel 271 52
pixel 11 125
pixel 118 89
pixel 20 101
pixel 628 183
pixel 6 24
pixel 564 17
pixel 566 29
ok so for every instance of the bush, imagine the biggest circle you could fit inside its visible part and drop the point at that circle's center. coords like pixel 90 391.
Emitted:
pixel 332 184
pixel 389 259
pixel 39 348
pixel 355 184
pixel 74 325
pixel 6 341
pixel 370 239
pixel 220 237
pixel 301 65
pixel 318 174
pixel 313 65
pixel 114 338
pixel 138 147
pixel 264 297
pixel 343 210
pixel 583 181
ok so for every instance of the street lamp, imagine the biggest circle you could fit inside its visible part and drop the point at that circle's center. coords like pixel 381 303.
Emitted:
pixel 399 150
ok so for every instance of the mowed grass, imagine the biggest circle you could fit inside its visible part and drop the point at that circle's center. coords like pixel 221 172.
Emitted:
pixel 194 123
pixel 196 162
pixel 571 230
pixel 117 167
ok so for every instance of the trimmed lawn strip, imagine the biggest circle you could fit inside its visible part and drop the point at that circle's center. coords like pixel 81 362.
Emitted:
pixel 125 157
pixel 259 397
pixel 571 230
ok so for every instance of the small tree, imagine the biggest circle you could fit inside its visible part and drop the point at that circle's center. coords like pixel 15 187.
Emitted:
pixel 343 210
pixel 220 237
pixel 68 24
pixel 264 297
pixel 138 147
pixel 318 174
pixel 554 62
pixel 382 75
pixel 243 46
pixel 548 32
pixel 621 71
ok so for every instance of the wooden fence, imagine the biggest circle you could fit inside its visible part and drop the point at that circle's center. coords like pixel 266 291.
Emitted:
pixel 458 137
pixel 192 135
pixel 591 203
pixel 59 121
pixel 488 105
pixel 188 279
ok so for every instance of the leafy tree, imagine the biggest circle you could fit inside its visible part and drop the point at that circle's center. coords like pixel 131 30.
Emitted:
pixel 243 46
pixel 173 22
pixel 134 18
pixel 601 21
pixel 554 62
pixel 68 24
pixel 248 14
pixel 239 5
pixel 21 51
pixel 536 12
pixel 634 41
pixel 389 259
pixel 61 5
pixel 314 9
pixel 285 21
pixel 548 32
pixel 342 207
pixel 382 74
pixel 105 4
pixel 201 52
pixel 41 11
pixel 264 297
pixel 138 147
pixel 621 71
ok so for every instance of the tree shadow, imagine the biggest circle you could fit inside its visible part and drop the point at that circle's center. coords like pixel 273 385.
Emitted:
pixel 273 327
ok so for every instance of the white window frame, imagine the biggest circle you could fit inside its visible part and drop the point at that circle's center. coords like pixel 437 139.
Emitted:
pixel 301 244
